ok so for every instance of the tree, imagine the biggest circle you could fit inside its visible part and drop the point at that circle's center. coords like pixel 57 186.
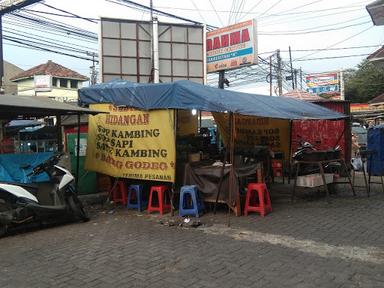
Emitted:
pixel 364 83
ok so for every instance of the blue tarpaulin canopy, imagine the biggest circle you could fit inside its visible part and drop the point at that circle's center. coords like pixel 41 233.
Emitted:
pixel 185 94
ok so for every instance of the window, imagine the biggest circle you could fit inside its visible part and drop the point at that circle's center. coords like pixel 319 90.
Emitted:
pixel 54 81
pixel 74 83
pixel 63 83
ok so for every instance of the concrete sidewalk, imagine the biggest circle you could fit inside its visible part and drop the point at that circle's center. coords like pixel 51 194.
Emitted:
pixel 306 244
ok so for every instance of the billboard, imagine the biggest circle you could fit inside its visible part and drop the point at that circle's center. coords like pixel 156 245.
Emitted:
pixel 132 143
pixel 126 51
pixel 232 46
pixel 324 84
pixel 43 83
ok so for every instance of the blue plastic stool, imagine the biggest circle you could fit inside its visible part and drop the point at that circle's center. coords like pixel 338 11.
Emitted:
pixel 197 204
pixel 136 190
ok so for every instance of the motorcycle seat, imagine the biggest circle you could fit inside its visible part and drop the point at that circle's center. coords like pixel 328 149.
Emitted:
pixel 45 208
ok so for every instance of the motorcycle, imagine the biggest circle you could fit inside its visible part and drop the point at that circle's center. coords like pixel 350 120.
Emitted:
pixel 307 152
pixel 18 206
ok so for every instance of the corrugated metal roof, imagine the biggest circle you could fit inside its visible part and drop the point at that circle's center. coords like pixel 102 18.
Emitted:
pixel 12 106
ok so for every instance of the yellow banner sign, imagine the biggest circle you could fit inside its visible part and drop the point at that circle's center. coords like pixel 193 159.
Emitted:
pixel 131 143
pixel 251 131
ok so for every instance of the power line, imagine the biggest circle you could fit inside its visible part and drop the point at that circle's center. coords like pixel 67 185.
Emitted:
pixel 69 13
pixel 134 5
pixel 312 11
pixel 217 14
pixel 59 15
pixel 253 7
pixel 270 8
pixel 339 42
pixel 43 38
pixel 296 19
pixel 198 10
pixel 46 49
pixel 330 57
pixel 58 26
pixel 327 25
pixel 313 31
pixel 46 44
pixel 23 24
pixel 333 49
pixel 301 6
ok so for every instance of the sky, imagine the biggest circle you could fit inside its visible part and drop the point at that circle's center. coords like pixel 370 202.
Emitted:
pixel 300 24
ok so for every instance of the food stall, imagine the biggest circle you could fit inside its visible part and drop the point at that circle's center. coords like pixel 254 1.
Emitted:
pixel 137 139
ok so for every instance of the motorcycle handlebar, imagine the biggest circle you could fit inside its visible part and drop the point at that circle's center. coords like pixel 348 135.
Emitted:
pixel 43 166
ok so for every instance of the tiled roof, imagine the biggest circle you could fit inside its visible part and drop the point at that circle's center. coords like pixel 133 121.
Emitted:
pixel 50 68
pixel 378 99
pixel 302 95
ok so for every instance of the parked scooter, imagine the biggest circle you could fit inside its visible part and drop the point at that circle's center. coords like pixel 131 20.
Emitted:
pixel 302 150
pixel 307 152
pixel 18 206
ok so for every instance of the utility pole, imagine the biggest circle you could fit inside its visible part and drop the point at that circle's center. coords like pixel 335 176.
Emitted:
pixel 270 75
pixel 279 76
pixel 221 79
pixel 301 79
pixel 5 8
pixel 295 71
pixel 342 91
pixel 290 60
pixel 151 6
pixel 93 78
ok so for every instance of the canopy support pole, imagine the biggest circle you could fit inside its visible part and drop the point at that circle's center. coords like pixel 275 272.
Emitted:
pixel 233 204
pixel 221 86
pixel 289 151
pixel 173 183
pixel 77 154
pixel 59 134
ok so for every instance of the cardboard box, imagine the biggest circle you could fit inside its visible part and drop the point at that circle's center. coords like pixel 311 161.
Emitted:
pixel 313 180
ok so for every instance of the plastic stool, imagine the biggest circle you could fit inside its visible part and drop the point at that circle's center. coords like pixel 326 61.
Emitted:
pixel 277 171
pixel 197 204
pixel 263 205
pixel 119 193
pixel 135 192
pixel 163 194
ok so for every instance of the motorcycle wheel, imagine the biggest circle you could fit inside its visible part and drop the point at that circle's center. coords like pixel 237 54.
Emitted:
pixel 4 207
pixel 3 230
pixel 77 208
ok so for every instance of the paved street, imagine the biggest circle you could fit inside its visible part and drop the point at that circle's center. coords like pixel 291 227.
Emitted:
pixel 306 244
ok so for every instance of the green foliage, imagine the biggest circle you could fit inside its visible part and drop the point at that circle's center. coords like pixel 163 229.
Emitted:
pixel 364 83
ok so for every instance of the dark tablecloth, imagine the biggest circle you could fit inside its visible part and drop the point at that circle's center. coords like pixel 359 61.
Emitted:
pixel 207 177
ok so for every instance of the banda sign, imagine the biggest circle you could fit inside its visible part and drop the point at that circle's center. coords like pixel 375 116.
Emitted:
pixel 232 46
pixel 252 131
pixel 131 143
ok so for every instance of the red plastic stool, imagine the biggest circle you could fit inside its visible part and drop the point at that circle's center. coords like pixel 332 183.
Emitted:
pixel 120 192
pixel 263 205
pixel 163 195
pixel 277 171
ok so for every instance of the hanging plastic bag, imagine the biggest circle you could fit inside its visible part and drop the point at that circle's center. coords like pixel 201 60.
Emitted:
pixel 357 163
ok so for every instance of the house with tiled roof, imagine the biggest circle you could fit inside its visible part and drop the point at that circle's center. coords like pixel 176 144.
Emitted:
pixel 60 83
pixel 377 102
pixel 377 57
